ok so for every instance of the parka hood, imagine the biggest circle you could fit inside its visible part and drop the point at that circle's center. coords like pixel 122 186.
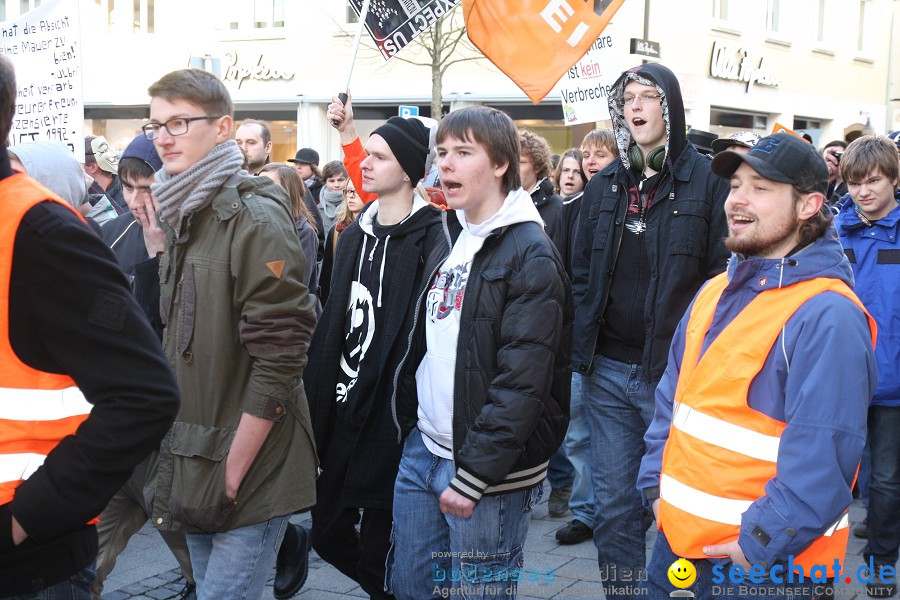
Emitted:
pixel 666 84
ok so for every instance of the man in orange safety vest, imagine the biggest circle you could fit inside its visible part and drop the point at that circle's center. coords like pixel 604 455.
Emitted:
pixel 758 433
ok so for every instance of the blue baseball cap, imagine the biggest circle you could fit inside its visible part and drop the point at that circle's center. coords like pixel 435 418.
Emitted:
pixel 780 157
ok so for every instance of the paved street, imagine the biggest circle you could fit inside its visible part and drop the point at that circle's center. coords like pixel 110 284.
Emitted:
pixel 146 570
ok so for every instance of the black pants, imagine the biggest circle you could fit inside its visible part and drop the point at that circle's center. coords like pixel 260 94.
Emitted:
pixel 884 485
pixel 358 555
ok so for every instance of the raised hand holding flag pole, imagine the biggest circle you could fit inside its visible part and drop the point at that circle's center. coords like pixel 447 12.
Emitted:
pixel 511 33
pixel 363 13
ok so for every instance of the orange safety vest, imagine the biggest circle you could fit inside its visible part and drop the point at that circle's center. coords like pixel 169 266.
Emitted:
pixel 37 409
pixel 721 453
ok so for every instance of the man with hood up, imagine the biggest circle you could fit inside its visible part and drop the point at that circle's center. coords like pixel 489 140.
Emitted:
pixel 650 233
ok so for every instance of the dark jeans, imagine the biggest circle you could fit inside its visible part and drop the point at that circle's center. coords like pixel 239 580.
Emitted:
pixel 713 585
pixel 884 485
pixel 359 555
pixel 619 403
pixel 76 587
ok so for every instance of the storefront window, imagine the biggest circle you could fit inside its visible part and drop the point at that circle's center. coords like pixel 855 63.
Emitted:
pixel 723 122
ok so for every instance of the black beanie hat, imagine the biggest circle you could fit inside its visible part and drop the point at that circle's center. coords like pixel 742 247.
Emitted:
pixel 408 140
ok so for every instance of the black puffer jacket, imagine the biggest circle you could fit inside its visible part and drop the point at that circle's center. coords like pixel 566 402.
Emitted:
pixel 512 379
pixel 685 227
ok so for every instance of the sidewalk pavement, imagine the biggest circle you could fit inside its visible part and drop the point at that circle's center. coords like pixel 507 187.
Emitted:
pixel 148 571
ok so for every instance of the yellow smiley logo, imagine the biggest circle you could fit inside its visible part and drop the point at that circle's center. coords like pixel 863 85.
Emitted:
pixel 682 573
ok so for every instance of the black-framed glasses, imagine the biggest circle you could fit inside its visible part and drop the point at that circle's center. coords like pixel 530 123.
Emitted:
pixel 350 192
pixel 175 127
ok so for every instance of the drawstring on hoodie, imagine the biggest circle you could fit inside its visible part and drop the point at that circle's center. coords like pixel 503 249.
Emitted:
pixel 387 239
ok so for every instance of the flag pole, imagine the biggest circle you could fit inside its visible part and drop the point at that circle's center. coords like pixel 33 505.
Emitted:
pixel 363 14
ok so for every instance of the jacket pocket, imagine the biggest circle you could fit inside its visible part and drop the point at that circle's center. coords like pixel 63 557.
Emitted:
pixel 690 228
pixel 198 496
pixel 601 216
pixel 188 300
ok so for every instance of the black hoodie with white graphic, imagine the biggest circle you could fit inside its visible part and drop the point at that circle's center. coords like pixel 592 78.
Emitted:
pixel 360 338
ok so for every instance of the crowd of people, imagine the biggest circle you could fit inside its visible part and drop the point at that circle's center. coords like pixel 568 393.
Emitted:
pixel 407 342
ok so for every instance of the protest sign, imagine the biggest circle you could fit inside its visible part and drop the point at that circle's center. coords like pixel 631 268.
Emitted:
pixel 44 45
pixel 584 89
pixel 536 41
pixel 395 23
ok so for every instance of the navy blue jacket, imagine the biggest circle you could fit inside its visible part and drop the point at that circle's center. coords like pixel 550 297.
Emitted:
pixel 874 254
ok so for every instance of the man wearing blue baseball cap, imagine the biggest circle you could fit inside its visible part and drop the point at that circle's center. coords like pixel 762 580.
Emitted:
pixel 756 438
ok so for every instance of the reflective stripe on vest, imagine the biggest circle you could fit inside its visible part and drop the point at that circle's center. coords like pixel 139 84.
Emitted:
pixel 42 405
pixel 37 408
pixel 720 452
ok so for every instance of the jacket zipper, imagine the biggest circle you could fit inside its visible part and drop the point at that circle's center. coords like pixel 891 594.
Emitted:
pixel 412 331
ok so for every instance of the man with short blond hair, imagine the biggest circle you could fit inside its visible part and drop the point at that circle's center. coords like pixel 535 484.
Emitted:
pixel 239 459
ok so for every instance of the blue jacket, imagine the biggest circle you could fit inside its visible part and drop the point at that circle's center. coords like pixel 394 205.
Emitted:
pixel 818 378
pixel 874 254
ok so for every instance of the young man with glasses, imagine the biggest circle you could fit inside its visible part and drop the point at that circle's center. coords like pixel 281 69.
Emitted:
pixel 239 459
pixel 650 233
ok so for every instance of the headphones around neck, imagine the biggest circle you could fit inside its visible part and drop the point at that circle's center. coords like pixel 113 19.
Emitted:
pixel 656 158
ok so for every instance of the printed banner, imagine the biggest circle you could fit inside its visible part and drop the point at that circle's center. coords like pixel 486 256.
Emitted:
pixel 536 41
pixel 584 89
pixel 395 23
pixel 44 45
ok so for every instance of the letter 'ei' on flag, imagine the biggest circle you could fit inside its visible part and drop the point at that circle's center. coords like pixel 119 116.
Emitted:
pixel 536 41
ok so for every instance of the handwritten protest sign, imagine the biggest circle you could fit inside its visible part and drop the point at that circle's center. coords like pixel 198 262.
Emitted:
pixel 395 23
pixel 584 89
pixel 44 45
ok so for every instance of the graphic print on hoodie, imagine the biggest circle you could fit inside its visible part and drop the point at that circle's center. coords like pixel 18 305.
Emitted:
pixel 361 349
pixel 443 311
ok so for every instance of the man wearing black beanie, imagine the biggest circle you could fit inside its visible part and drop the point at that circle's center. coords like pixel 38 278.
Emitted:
pixel 408 140
pixel 361 337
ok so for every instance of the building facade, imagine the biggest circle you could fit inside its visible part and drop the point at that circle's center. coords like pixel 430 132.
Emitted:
pixel 821 66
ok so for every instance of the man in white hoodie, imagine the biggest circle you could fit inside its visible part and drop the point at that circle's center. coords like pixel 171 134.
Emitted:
pixel 483 395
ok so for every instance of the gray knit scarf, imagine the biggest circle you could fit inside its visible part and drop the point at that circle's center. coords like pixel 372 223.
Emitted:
pixel 180 196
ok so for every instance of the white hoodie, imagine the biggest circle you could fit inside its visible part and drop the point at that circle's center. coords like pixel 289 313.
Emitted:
pixel 443 306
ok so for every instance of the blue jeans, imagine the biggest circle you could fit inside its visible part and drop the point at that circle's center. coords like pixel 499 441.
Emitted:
pixel 433 553
pixel 560 472
pixel 76 587
pixel 235 564
pixel 619 405
pixel 705 588
pixel 884 485
pixel 578 449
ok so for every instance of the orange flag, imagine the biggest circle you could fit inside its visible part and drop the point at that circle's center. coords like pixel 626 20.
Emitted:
pixel 536 41
pixel 779 128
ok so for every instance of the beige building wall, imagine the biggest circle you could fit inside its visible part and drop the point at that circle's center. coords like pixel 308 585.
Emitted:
pixel 830 77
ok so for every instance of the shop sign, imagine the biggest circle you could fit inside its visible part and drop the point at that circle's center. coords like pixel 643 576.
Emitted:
pixel 239 72
pixel 645 47
pixel 738 65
